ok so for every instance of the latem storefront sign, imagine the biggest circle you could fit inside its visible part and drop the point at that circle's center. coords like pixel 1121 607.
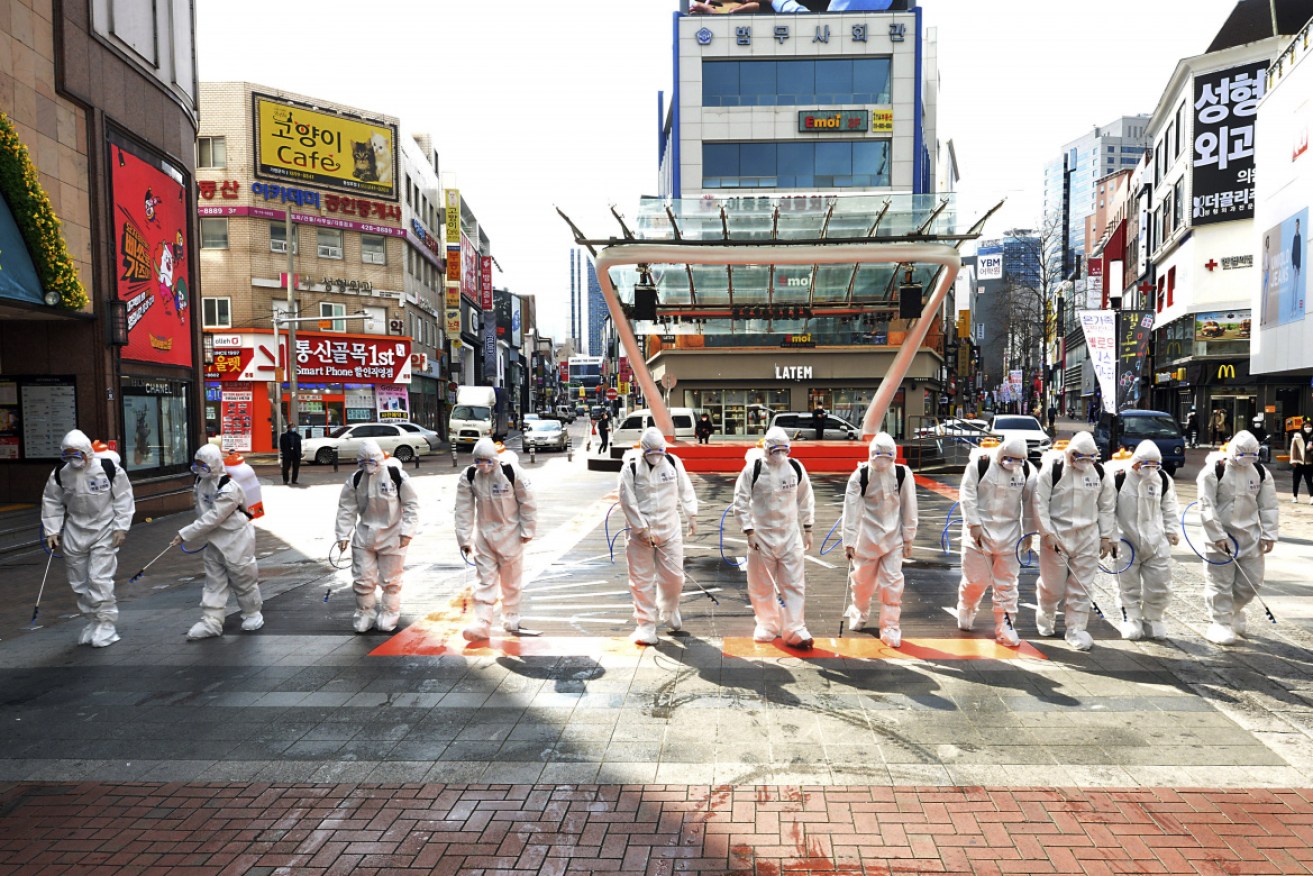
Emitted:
pixel 836 122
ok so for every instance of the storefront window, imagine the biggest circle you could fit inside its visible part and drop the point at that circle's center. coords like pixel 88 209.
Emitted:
pixel 156 433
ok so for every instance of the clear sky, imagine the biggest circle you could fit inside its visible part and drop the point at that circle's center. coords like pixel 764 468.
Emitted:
pixel 534 104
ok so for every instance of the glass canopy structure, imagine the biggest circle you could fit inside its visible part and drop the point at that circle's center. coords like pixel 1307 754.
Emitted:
pixel 763 265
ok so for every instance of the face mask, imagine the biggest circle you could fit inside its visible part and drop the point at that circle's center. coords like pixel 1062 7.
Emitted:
pixel 1008 463
pixel 1245 459
pixel 654 456
pixel 883 460
pixel 369 465
pixel 484 466
pixel 78 461
pixel 200 469
pixel 779 454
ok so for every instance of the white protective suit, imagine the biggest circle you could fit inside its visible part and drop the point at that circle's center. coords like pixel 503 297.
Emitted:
pixel 1147 518
pixel 89 515
pixel 1241 504
pixel 230 552
pixel 653 487
pixel 878 530
pixel 495 516
pixel 1077 523
pixel 377 511
pixel 776 514
pixel 993 507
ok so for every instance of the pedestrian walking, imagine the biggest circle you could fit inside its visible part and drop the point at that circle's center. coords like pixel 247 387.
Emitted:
pixel 289 451
pixel 818 422
pixel 879 527
pixel 653 488
pixel 496 516
pixel 774 505
pixel 224 523
pixel 1219 426
pixel 995 495
pixel 377 516
pixel 1301 460
pixel 704 429
pixel 86 511
pixel 603 431
pixel 1238 508
pixel 1192 428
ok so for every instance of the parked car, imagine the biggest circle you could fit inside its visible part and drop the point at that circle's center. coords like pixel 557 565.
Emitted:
pixel 630 429
pixel 798 424
pixel 565 413
pixel 399 442
pixel 545 435
pixel 430 436
pixel 1156 426
pixel 957 430
pixel 1007 426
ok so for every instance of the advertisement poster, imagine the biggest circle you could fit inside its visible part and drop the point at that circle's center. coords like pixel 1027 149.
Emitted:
pixel 989 261
pixel 359 404
pixel 1222 176
pixel 393 402
pixel 1285 285
pixel 151 231
pixel 1100 328
pixel 236 411
pixel 49 412
pixel 335 151
pixel 1222 325
pixel 10 420
pixel 141 427
pixel 1134 328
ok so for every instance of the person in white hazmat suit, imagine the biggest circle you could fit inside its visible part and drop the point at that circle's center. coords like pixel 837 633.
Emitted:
pixel 1147 518
pixel 995 496
pixel 774 505
pixel 653 488
pixel 377 515
pixel 879 526
pixel 86 510
pixel 224 523
pixel 1076 515
pixel 496 516
pixel 1237 499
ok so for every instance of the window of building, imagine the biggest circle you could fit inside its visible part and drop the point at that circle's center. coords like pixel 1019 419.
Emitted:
pixel 330 242
pixel 1171 285
pixel 373 249
pixel 796 164
pixel 278 237
pixel 214 234
pixel 1180 123
pixel 1178 202
pixel 217 312
pixel 796 82
pixel 211 152
pixel 328 310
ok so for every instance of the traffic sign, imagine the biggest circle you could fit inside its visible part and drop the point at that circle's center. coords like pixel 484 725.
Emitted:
pixel 611 394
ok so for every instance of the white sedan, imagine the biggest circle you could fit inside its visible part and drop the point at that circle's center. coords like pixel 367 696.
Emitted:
pixel 395 440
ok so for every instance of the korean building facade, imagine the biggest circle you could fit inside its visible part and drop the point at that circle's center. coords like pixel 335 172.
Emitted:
pixel 105 107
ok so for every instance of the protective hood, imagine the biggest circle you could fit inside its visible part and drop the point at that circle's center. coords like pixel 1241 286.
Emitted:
pixel 775 437
pixel 1082 443
pixel 883 442
pixel 485 449
pixel 1014 446
pixel 77 440
pixel 652 440
pixel 1147 452
pixel 370 451
pixel 210 455
pixel 1243 442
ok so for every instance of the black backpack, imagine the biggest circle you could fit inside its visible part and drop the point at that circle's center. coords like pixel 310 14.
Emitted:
pixel 982 466
pixel 633 466
pixel 1120 478
pixel 756 470
pixel 392 470
pixel 110 471
pixel 506 467
pixel 1220 470
pixel 1057 472
pixel 900 472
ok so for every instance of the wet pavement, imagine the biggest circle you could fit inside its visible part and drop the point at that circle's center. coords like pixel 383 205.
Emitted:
pixel 307 747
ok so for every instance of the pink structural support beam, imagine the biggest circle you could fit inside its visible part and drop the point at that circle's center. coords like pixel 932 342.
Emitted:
pixel 944 255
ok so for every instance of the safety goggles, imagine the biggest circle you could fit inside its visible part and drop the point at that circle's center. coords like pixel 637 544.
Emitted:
pixel 1149 466
pixel 366 462
pixel 71 455
pixel 779 448
pixel 1084 457
pixel 1012 460
pixel 485 464
pixel 1246 457
pixel 882 454
pixel 200 469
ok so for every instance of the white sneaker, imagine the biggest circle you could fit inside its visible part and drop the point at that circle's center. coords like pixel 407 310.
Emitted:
pixel 966 618
pixel 202 630
pixel 855 620
pixel 1295 499
pixel 1080 640
pixel 387 620
pixel 762 634
pixel 253 622
pixel 1220 635
pixel 1044 623
pixel 675 620
pixel 646 634
pixel 362 621
pixel 1157 630
pixel 892 637
pixel 1005 635
pixel 475 632
pixel 511 623
pixel 1131 630
pixel 1240 624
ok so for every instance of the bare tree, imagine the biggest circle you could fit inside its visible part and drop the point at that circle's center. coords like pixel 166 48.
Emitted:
pixel 1032 271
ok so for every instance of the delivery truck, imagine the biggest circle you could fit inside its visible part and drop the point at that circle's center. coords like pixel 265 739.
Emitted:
pixel 480 412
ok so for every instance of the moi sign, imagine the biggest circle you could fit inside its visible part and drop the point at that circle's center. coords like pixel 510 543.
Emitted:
pixel 835 122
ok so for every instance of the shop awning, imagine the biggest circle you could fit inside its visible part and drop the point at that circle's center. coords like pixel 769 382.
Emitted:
pixel 18 276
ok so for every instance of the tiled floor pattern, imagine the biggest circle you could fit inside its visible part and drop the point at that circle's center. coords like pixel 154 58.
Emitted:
pixel 649 829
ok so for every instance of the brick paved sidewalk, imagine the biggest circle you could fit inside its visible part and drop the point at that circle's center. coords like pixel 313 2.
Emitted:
pixel 649 829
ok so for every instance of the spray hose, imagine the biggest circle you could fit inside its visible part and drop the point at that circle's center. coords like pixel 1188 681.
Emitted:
pixel 946 540
pixel 724 558
pixel 1030 553
pixel 1231 559
pixel 1129 562
pixel 838 541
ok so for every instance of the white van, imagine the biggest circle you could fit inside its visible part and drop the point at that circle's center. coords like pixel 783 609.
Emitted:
pixel 631 427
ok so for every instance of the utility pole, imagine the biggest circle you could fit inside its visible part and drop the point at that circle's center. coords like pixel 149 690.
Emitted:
pixel 292 409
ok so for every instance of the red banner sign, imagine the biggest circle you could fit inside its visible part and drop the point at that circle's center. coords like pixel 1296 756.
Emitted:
pixel 321 357
pixel 485 283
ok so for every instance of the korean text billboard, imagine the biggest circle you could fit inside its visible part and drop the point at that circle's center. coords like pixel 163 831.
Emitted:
pixel 1225 107
pixel 151 241
pixel 348 153
pixel 733 7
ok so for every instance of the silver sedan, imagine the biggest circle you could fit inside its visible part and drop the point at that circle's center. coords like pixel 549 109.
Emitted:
pixel 545 434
